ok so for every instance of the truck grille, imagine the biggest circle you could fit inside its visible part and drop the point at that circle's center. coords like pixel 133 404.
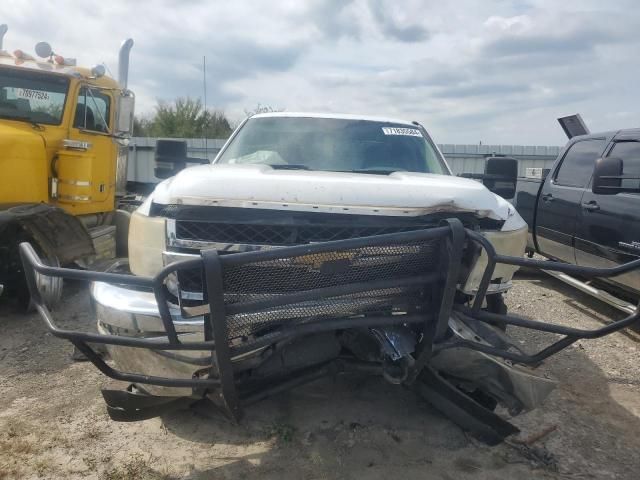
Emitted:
pixel 273 235
pixel 277 228
pixel 282 235
pixel 307 272
pixel 268 282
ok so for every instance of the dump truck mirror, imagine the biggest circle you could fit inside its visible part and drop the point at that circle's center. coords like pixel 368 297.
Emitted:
pixel 124 122
pixel 609 177
pixel 501 175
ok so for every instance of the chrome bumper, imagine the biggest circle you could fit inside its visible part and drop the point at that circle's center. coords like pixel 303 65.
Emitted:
pixel 134 313
pixel 131 309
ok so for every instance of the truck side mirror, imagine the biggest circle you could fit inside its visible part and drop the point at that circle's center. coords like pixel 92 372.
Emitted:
pixel 124 120
pixel 501 175
pixel 607 176
pixel 171 157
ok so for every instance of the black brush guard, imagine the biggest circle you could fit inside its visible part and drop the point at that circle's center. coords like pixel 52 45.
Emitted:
pixel 452 243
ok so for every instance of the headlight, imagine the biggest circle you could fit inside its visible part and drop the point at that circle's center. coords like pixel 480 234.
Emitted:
pixel 510 243
pixel 147 241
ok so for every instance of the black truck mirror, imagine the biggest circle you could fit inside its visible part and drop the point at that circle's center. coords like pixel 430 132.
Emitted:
pixel 171 157
pixel 501 175
pixel 608 177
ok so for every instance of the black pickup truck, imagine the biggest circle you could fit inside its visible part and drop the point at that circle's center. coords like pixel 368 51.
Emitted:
pixel 586 210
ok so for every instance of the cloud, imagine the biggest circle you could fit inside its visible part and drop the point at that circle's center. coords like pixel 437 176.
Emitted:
pixel 499 71
pixel 523 36
pixel 481 89
pixel 395 23
pixel 333 19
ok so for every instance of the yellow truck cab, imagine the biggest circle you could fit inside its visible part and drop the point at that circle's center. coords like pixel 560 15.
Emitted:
pixel 64 133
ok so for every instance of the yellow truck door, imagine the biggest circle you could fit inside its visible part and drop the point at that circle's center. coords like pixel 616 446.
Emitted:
pixel 86 164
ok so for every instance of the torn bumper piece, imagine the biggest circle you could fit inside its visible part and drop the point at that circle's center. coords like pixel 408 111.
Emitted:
pixel 272 320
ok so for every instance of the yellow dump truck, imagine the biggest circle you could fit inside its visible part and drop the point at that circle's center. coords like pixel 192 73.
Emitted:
pixel 64 132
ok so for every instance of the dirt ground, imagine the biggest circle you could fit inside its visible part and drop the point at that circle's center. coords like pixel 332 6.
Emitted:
pixel 53 422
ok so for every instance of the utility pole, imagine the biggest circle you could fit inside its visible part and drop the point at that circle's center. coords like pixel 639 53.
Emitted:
pixel 204 84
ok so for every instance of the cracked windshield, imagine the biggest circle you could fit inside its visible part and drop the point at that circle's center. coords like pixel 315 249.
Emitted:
pixel 333 145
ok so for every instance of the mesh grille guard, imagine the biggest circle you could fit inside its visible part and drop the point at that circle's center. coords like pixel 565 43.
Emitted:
pixel 258 234
pixel 365 282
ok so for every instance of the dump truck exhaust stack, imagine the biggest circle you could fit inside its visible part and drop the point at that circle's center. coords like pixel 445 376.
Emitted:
pixel 3 30
pixel 123 62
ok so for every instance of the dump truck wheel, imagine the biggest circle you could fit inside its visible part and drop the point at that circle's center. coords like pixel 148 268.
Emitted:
pixel 50 287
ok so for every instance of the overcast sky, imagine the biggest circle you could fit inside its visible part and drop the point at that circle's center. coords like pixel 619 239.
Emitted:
pixel 494 71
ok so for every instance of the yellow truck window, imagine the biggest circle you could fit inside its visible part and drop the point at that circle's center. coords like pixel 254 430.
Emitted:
pixel 32 96
pixel 92 110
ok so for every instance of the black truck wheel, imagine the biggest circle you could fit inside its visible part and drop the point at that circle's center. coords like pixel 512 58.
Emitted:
pixel 50 287
pixel 495 304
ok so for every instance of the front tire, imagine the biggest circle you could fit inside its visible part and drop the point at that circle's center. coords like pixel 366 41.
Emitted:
pixel 496 304
pixel 50 288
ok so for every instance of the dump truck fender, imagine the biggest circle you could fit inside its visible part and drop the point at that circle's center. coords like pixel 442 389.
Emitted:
pixel 58 236
pixel 57 233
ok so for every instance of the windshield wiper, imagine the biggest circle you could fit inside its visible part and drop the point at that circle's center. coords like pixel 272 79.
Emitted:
pixel 23 118
pixel 290 166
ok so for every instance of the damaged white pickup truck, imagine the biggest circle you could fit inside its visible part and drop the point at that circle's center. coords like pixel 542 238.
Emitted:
pixel 320 245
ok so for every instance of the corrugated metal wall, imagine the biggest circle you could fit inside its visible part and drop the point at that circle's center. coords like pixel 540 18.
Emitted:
pixel 470 158
pixel 142 150
pixel 461 158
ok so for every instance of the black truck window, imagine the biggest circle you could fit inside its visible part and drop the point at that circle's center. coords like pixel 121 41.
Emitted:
pixel 578 162
pixel 92 110
pixel 629 152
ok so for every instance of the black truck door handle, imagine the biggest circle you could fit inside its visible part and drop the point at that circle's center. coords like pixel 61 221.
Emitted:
pixel 591 206
pixel 547 197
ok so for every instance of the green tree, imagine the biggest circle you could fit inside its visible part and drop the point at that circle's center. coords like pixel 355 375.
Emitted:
pixel 141 127
pixel 183 118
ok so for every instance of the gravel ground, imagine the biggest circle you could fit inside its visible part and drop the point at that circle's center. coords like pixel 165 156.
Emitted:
pixel 53 422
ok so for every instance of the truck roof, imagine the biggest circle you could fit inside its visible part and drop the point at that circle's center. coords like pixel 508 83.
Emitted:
pixel 628 134
pixel 48 67
pixel 623 134
pixel 342 116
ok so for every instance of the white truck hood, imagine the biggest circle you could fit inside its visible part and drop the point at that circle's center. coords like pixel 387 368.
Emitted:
pixel 397 194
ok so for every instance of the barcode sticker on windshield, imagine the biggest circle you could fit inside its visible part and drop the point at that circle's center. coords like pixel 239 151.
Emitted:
pixel 32 94
pixel 411 132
